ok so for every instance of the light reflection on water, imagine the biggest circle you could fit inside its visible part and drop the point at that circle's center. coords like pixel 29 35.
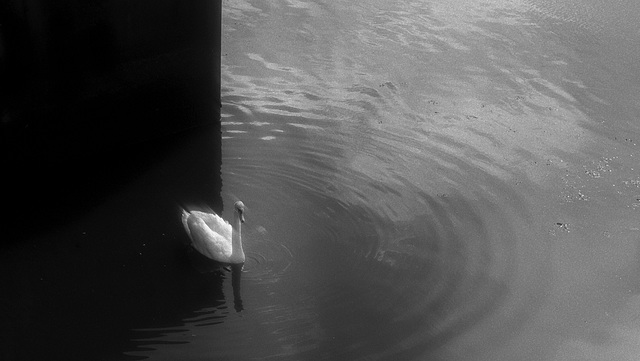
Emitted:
pixel 424 179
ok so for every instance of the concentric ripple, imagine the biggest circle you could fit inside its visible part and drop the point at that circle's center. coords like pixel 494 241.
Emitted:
pixel 431 258
pixel 266 261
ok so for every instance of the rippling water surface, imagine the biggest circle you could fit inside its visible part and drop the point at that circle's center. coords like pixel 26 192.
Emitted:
pixel 453 180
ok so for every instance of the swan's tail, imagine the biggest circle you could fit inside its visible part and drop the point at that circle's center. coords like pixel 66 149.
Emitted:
pixel 185 216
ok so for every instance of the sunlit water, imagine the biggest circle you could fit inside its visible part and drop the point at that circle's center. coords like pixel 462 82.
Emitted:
pixel 452 180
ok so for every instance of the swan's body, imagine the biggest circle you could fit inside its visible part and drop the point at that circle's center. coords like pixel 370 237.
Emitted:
pixel 214 237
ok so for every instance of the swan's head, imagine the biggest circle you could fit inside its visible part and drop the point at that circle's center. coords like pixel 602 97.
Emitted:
pixel 239 206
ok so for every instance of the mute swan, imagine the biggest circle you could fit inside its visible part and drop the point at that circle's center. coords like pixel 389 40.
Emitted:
pixel 214 237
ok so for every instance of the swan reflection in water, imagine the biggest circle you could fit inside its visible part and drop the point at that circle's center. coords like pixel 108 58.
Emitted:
pixel 213 275
pixel 236 276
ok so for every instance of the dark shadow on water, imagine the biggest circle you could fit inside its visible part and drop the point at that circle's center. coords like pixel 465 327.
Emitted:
pixel 212 308
pixel 105 129
pixel 75 289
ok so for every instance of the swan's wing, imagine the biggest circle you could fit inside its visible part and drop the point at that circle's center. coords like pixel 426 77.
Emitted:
pixel 216 223
pixel 208 242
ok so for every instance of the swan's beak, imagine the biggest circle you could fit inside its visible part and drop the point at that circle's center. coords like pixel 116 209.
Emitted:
pixel 241 217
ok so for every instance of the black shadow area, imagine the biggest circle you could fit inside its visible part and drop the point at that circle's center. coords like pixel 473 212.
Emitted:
pixel 109 120
pixel 76 290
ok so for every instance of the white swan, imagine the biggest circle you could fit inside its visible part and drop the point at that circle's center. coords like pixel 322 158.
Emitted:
pixel 214 237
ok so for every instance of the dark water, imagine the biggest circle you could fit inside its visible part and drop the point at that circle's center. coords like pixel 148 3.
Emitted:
pixel 425 181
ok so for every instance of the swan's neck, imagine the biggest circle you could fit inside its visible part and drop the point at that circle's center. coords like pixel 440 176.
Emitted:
pixel 236 238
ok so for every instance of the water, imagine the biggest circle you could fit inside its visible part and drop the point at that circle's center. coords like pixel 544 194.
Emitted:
pixel 431 180
pixel 424 180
